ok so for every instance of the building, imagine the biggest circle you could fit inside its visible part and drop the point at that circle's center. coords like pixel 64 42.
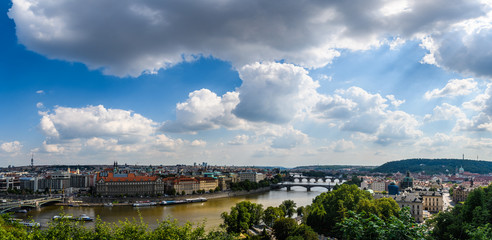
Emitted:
pixel 251 176
pixel 412 201
pixel 182 184
pixel 9 182
pixel 393 189
pixel 207 183
pixel 461 193
pixel 29 183
pixel 407 182
pixel 432 201
pixel 379 186
pixel 111 184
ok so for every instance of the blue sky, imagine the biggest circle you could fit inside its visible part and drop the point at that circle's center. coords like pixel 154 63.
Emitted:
pixel 244 83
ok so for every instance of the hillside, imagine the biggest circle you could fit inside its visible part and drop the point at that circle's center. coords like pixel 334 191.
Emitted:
pixel 433 166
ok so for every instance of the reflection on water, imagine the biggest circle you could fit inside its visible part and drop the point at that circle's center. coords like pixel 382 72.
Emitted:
pixel 193 212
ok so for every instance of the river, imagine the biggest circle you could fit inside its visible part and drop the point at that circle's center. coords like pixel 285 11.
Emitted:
pixel 194 212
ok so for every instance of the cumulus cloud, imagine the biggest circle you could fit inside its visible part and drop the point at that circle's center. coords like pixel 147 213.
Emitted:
pixel 342 145
pixel 395 102
pixel 270 93
pixel 445 112
pixel 482 120
pixel 198 143
pixel 11 147
pixel 455 87
pixel 290 139
pixel 366 114
pixel 239 140
pixel 204 110
pixel 149 35
pixel 94 121
pixel 462 48
pixel 274 92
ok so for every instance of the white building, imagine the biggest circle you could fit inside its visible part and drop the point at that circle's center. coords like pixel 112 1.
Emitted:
pixel 251 176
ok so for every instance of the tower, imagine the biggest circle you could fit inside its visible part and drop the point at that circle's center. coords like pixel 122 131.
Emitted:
pixel 32 160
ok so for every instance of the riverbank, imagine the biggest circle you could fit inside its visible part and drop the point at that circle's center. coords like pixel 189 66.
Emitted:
pixel 128 201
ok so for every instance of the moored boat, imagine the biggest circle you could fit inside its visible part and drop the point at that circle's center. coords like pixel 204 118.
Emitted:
pixel 84 217
pixel 57 217
pixel 144 204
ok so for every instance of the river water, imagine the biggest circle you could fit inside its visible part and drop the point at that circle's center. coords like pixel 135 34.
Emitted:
pixel 194 212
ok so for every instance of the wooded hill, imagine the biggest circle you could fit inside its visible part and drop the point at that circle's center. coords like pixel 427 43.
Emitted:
pixel 435 166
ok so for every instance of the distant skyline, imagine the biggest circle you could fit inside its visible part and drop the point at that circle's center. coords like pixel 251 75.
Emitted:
pixel 280 83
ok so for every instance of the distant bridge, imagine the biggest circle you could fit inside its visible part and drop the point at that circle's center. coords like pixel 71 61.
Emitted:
pixel 33 203
pixel 300 178
pixel 308 186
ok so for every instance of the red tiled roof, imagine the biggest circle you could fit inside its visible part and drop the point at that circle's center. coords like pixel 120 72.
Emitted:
pixel 131 177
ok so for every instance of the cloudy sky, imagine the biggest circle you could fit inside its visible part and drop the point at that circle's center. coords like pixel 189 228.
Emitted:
pixel 255 82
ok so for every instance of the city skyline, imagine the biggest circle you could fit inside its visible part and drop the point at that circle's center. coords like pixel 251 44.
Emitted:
pixel 244 83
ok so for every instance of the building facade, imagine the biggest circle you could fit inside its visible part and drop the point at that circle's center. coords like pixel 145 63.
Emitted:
pixel 111 184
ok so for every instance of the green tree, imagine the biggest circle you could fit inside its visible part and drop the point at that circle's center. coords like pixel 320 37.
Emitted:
pixel 284 227
pixel 242 216
pixel 369 226
pixel 271 214
pixel 289 207
pixel 330 208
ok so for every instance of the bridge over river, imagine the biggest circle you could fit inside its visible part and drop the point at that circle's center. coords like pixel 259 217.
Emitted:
pixel 32 203
pixel 308 186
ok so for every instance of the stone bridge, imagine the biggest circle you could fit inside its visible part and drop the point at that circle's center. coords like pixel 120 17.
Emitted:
pixel 308 186
pixel 300 178
pixel 32 203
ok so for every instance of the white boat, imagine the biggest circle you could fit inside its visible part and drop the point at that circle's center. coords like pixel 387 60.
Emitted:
pixel 108 204
pixel 144 204
pixel 62 217
pixel 21 211
pixel 193 200
pixel 30 224
pixel 84 217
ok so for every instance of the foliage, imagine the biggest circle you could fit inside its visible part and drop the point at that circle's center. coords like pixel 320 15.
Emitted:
pixel 288 207
pixel 370 226
pixel 329 208
pixel 242 216
pixel 287 228
pixel 435 166
pixel 271 214
pixel 468 221
pixel 135 230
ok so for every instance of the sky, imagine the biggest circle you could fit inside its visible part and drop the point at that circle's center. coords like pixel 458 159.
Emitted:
pixel 244 83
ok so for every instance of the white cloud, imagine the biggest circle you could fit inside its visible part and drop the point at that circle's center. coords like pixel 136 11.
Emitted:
pixel 462 48
pixel 205 110
pixel 40 105
pixel 147 35
pixel 95 121
pixel 198 143
pixel 455 87
pixel 40 92
pixel 366 114
pixel 289 139
pixel 395 102
pixel 342 145
pixel 482 121
pixel 239 140
pixel 274 92
pixel 445 112
pixel 11 147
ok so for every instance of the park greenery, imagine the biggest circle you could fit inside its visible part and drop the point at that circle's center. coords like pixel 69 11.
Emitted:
pixel 248 185
pixel 344 213
pixel 435 166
